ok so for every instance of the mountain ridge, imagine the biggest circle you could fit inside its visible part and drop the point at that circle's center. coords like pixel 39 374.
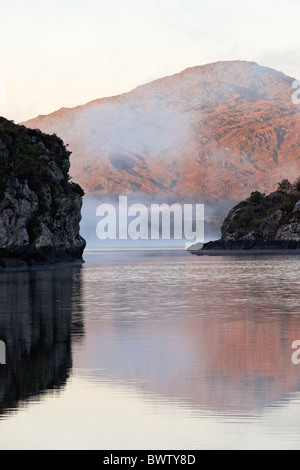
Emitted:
pixel 210 132
pixel 188 69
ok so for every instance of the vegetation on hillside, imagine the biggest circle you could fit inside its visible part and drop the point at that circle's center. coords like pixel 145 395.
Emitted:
pixel 26 153
pixel 252 214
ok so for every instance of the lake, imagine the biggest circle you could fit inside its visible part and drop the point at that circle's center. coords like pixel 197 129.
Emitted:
pixel 151 350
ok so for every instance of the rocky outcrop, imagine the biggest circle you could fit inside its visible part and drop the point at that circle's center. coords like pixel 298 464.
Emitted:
pixel 40 209
pixel 260 223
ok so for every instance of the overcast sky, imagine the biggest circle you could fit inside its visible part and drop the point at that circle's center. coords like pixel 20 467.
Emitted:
pixel 58 53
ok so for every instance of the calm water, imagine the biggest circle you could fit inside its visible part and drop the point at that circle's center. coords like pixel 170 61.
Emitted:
pixel 151 351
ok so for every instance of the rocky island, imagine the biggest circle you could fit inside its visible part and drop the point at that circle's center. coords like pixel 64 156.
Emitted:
pixel 40 208
pixel 262 222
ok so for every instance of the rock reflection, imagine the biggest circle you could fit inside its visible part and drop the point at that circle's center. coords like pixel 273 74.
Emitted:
pixel 39 317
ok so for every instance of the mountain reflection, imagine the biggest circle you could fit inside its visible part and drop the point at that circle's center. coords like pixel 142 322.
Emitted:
pixel 215 334
pixel 210 334
pixel 39 317
pixel 233 363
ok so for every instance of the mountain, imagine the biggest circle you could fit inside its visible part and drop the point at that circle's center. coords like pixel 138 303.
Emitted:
pixel 40 209
pixel 211 133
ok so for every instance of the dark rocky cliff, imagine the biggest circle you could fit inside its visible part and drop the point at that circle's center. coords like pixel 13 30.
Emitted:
pixel 40 208
pixel 262 222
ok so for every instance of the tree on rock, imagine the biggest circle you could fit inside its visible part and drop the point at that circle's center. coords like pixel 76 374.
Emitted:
pixel 296 185
pixel 285 186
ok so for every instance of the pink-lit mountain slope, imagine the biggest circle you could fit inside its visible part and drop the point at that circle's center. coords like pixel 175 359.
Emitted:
pixel 211 133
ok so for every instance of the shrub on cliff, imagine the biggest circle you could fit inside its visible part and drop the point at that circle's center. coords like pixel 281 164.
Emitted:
pixel 250 215
pixel 287 187
pixel 29 154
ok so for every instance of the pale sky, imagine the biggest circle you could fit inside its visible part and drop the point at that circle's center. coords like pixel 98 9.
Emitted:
pixel 57 53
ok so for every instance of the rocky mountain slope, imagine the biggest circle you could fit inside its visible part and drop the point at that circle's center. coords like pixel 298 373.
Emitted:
pixel 262 222
pixel 212 133
pixel 40 209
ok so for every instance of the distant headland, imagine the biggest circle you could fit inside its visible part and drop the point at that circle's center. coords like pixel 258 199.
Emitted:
pixel 262 223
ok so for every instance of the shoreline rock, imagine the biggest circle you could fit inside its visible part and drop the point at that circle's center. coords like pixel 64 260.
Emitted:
pixel 260 224
pixel 247 248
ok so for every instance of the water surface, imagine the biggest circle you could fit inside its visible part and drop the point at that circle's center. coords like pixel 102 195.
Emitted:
pixel 151 350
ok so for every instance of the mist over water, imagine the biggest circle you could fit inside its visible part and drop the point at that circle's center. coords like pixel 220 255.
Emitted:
pixel 212 225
